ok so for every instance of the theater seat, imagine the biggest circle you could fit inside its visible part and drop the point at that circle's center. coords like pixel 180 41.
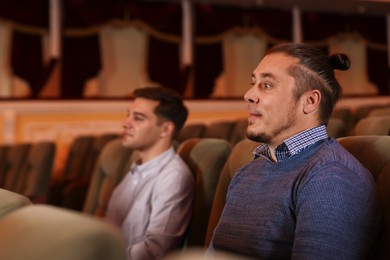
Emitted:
pixel 13 163
pixel 74 168
pixel 10 201
pixel 192 130
pixel 75 191
pixel 40 232
pixel 205 158
pixel 240 155
pixel 336 128
pixel 112 164
pixel 373 125
pixel 219 129
pixel 28 168
pixel 374 153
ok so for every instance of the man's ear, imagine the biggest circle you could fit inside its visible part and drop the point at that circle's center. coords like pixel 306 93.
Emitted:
pixel 311 101
pixel 167 128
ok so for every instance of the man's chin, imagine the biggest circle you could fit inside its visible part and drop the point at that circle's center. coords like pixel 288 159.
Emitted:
pixel 258 137
pixel 126 142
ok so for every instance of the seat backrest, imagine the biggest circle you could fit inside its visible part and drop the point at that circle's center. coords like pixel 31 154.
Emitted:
pixel 363 111
pixel 384 111
pixel 71 193
pixel 374 153
pixel 78 169
pixel 47 232
pixel 112 164
pixel 98 143
pixel 78 155
pixel 241 154
pixel 219 129
pixel 10 201
pixel 205 158
pixel 3 163
pixel 239 131
pixel 373 125
pixel 336 128
pixel 192 130
pixel 34 178
pixel 15 162
pixel 346 115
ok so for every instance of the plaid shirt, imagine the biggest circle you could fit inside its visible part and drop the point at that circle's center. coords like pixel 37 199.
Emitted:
pixel 293 145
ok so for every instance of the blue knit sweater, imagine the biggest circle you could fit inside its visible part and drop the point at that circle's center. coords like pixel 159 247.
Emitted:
pixel 321 203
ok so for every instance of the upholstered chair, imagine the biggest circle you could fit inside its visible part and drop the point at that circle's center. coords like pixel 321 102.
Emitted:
pixel 191 130
pixel 34 181
pixel 3 163
pixel 75 191
pixel 219 129
pixel 373 151
pixel 373 125
pixel 383 111
pixel 10 201
pixel 74 167
pixel 29 169
pixel 363 111
pixel 113 163
pixel 205 158
pixel 241 154
pixel 14 162
pixel 336 128
pixel 239 131
pixel 346 115
pixel 39 232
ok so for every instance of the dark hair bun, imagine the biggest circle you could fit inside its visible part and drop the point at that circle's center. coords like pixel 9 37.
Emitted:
pixel 339 61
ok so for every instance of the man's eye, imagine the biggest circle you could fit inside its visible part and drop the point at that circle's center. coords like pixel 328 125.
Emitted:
pixel 266 86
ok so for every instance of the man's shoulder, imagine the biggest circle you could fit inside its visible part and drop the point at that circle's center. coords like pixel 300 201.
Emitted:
pixel 177 166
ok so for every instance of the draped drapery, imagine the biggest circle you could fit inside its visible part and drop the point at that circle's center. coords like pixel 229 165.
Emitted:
pixel 81 49
pixel 212 23
pixel 318 28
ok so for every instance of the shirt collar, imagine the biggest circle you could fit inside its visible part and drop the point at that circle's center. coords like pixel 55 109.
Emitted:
pixel 150 166
pixel 293 145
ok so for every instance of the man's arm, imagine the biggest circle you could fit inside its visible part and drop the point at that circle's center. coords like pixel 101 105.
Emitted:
pixel 171 212
pixel 337 217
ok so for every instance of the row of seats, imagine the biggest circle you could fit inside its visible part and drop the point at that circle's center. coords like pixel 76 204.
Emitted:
pixel 355 121
pixel 69 189
pixel 77 172
pixel 343 122
pixel 20 170
pixel 26 168
pixel 213 163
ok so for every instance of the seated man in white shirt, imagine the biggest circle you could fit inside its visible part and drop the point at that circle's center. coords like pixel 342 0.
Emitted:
pixel 153 203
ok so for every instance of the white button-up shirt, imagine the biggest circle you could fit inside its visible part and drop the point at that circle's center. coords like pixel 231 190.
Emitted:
pixel 152 205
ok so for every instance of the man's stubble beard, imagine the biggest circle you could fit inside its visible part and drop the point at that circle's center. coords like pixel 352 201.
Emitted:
pixel 266 138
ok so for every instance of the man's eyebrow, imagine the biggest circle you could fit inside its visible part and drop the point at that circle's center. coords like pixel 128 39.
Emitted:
pixel 267 75
pixel 139 114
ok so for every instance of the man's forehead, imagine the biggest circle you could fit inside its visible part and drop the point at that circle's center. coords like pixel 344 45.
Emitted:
pixel 275 63
pixel 143 104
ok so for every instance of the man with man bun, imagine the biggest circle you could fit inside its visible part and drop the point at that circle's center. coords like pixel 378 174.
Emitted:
pixel 303 196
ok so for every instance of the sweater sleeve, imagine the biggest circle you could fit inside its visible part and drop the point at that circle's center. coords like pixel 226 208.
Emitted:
pixel 337 215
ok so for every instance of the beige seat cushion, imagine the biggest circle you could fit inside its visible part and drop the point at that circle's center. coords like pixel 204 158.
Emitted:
pixel 46 232
pixel 10 201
